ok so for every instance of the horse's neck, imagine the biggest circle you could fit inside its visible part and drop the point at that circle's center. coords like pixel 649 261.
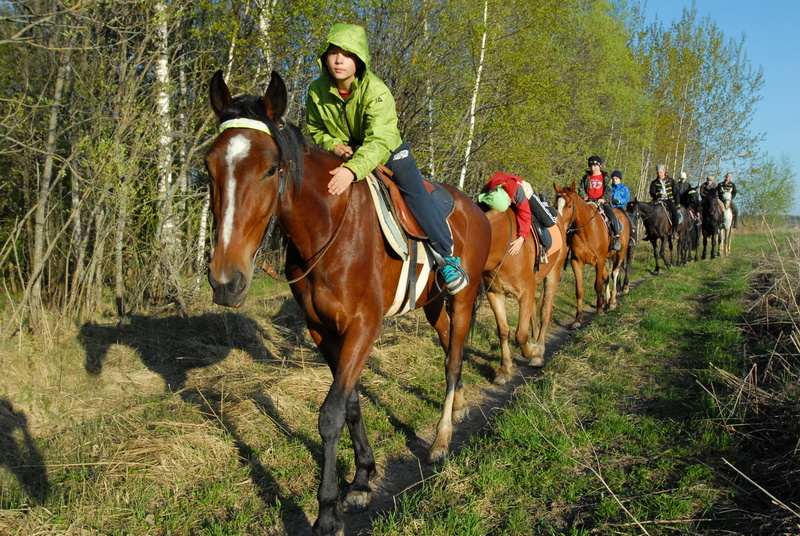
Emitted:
pixel 309 214
pixel 584 211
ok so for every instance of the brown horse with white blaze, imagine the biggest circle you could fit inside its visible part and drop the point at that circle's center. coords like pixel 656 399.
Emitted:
pixel 590 243
pixel 264 171
pixel 518 276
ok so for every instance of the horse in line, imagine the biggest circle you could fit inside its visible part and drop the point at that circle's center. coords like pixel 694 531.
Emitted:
pixel 266 174
pixel 713 222
pixel 658 229
pixel 689 245
pixel 590 243
pixel 726 233
pixel 518 276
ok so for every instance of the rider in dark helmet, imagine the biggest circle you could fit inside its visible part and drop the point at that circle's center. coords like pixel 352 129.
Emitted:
pixel 595 186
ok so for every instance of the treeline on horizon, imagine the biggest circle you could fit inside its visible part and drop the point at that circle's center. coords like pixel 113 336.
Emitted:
pixel 105 118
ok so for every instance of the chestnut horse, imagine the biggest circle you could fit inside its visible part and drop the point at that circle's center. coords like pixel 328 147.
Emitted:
pixel 264 171
pixel 590 243
pixel 518 276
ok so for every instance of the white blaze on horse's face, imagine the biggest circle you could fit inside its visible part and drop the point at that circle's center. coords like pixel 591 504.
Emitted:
pixel 238 149
pixel 560 204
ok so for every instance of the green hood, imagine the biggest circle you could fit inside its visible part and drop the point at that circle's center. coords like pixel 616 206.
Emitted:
pixel 350 38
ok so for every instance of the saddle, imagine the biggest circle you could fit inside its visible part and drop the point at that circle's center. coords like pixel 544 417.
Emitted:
pixel 400 208
pixel 537 230
pixel 605 219
pixel 404 235
pixel 667 213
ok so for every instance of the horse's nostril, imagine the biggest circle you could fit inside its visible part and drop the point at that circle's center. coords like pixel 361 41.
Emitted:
pixel 212 281
pixel 239 282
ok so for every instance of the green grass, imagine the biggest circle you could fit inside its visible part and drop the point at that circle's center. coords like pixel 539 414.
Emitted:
pixel 208 425
pixel 619 434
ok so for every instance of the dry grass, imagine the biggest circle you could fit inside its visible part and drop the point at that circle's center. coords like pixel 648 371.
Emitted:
pixel 762 410
pixel 210 419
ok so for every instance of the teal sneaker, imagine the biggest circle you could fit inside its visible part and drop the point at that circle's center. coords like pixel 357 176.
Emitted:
pixel 454 275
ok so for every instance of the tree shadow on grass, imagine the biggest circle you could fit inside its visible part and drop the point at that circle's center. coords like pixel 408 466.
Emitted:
pixel 19 453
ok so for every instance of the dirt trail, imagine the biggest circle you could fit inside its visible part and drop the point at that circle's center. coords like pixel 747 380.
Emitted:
pixel 406 475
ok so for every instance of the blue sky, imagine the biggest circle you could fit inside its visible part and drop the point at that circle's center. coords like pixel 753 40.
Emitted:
pixel 772 41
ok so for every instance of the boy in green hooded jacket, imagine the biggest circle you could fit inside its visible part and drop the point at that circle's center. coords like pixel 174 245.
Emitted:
pixel 351 112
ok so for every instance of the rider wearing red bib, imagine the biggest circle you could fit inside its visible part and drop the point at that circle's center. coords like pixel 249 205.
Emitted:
pixel 596 187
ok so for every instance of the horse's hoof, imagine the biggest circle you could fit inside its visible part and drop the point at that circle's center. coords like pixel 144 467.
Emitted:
pixel 612 306
pixel 502 379
pixel 536 362
pixel 356 501
pixel 459 415
pixel 575 325
pixel 336 528
pixel 437 454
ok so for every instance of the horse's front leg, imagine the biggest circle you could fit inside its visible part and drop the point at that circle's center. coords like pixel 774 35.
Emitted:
pixel 346 356
pixel 655 253
pixel 360 493
pixel 600 282
pixel 577 271
pixel 331 421
pixel 705 247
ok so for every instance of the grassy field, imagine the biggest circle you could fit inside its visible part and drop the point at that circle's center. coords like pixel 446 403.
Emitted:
pixel 675 414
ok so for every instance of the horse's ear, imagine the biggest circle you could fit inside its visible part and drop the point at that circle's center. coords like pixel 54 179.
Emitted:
pixel 572 186
pixel 276 98
pixel 219 93
pixel 555 186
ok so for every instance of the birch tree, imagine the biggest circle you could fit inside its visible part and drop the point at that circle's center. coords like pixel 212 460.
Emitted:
pixel 474 101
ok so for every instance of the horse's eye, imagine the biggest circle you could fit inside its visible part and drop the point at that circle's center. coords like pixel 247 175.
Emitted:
pixel 271 171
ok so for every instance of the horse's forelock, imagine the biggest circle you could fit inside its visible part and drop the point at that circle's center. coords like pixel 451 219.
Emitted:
pixel 288 137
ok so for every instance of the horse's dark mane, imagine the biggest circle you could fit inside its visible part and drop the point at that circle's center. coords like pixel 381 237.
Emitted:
pixel 288 137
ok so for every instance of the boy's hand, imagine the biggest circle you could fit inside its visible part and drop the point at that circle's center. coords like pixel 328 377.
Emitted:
pixel 345 151
pixel 340 180
pixel 515 245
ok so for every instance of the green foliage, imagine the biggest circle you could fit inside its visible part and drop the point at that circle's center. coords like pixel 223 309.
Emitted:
pixel 769 190
pixel 559 81
pixel 704 92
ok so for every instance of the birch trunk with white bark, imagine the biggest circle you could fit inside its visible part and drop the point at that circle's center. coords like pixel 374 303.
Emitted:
pixel 474 102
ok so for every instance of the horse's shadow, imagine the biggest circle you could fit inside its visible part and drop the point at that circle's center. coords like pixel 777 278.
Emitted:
pixel 173 346
pixel 19 453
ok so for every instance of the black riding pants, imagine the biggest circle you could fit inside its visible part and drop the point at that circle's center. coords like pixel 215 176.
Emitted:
pixel 428 212
pixel 673 212
pixel 613 221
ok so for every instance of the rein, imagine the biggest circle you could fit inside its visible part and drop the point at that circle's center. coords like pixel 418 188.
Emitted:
pixel 572 229
pixel 254 124
pixel 271 271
